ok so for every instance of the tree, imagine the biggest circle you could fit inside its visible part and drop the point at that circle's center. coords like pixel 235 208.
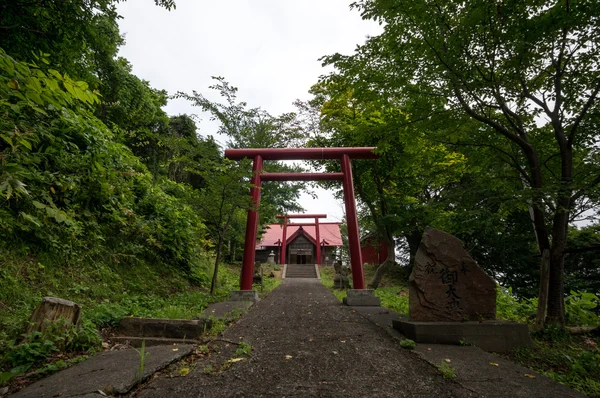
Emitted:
pixel 403 189
pixel 256 128
pixel 225 195
pixel 527 71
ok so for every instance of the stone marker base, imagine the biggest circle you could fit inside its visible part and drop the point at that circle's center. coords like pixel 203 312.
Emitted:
pixel 228 310
pixel 245 295
pixel 363 297
pixel 495 336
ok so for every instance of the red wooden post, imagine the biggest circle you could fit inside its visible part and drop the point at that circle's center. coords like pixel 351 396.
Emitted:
pixel 318 239
pixel 251 226
pixel 358 276
pixel 278 243
pixel 284 240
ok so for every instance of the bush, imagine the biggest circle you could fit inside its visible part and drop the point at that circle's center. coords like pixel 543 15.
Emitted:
pixel 509 308
pixel 579 309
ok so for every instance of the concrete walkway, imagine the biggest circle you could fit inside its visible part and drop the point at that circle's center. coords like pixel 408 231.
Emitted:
pixel 305 343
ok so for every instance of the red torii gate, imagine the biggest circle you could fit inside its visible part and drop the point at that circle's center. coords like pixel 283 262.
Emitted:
pixel 317 236
pixel 258 155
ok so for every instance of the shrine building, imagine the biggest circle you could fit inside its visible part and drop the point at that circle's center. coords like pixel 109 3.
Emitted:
pixel 300 243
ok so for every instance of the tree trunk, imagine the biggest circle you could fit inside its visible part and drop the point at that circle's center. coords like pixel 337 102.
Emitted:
pixel 556 299
pixel 414 239
pixel 54 311
pixel 391 256
pixel 540 318
pixel 213 283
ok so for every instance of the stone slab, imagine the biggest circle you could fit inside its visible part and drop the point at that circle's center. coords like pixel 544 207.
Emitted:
pixel 114 371
pixel 244 295
pixel 169 328
pixel 494 336
pixel 362 297
pixel 227 310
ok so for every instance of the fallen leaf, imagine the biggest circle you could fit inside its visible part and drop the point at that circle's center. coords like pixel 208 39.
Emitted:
pixel 184 371
pixel 447 360
pixel 530 376
pixel 288 357
pixel 494 364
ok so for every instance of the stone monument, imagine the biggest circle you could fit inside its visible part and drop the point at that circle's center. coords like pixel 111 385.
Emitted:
pixel 452 300
pixel 340 280
pixel 271 258
pixel 257 277
pixel 446 284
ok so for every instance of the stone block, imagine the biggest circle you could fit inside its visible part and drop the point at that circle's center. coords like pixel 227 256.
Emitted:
pixel 244 295
pixel 228 310
pixel 363 297
pixel 168 328
pixel 495 336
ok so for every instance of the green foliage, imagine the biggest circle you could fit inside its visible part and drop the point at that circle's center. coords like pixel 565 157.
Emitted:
pixel 579 308
pixel 408 344
pixel 508 307
pixel 519 81
pixel 244 349
pixel 447 371
pixel 19 356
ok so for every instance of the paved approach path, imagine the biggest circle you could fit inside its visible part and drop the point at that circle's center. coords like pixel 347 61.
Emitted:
pixel 306 343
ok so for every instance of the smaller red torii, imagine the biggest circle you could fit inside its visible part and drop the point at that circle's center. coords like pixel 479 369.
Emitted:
pixel 317 236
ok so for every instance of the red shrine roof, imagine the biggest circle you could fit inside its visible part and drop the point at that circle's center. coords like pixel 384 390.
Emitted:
pixel 328 230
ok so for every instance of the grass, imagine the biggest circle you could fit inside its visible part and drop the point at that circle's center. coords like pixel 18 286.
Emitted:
pixel 570 360
pixel 392 290
pixel 244 349
pixel 107 293
pixel 447 371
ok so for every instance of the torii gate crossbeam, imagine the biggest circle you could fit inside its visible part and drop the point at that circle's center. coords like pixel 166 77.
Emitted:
pixel 258 155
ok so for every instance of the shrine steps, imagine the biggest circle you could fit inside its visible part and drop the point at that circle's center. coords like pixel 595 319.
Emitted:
pixel 301 271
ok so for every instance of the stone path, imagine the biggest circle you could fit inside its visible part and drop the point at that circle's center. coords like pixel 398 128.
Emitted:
pixel 305 343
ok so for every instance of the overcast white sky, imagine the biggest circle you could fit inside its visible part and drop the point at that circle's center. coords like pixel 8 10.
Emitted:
pixel 269 49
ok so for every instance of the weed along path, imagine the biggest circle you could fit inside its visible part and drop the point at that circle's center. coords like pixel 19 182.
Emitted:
pixel 300 341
